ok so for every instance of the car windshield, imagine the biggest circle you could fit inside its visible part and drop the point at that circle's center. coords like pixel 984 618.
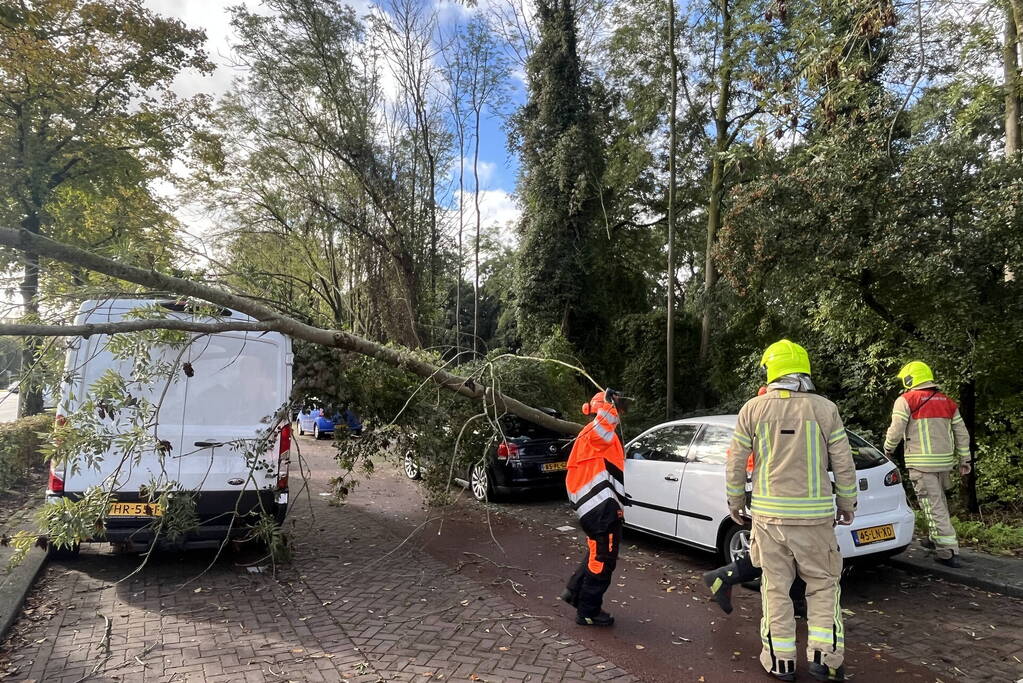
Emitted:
pixel 864 455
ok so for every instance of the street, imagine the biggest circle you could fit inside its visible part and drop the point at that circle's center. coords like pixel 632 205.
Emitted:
pixel 383 588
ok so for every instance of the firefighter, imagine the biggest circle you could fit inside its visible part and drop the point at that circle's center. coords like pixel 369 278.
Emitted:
pixel 721 580
pixel 596 490
pixel 796 436
pixel 936 441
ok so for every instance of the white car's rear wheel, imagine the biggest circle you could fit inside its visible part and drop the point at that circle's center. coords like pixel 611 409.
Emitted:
pixel 316 431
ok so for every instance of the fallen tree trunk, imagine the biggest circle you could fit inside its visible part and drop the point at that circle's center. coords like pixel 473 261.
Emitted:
pixel 269 320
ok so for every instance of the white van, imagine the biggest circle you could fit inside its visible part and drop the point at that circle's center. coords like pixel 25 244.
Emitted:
pixel 226 394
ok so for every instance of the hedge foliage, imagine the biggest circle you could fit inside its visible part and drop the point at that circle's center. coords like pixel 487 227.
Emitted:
pixel 19 446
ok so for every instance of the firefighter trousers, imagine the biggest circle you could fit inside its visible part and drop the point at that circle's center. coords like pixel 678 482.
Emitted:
pixel 784 551
pixel 930 492
pixel 593 576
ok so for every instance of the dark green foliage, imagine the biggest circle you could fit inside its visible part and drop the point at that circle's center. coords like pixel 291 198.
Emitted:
pixel 561 284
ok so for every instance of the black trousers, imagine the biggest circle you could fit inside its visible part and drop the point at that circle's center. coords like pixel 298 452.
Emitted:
pixel 593 576
pixel 744 571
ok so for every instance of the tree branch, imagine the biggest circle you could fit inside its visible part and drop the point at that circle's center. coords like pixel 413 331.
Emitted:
pixel 89 329
pixel 23 240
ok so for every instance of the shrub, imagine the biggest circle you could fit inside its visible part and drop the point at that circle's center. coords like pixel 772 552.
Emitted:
pixel 19 446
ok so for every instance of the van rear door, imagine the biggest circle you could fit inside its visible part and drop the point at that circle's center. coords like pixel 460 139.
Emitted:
pixel 237 384
pixel 126 471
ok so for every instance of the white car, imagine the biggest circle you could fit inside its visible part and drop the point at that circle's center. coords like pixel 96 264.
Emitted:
pixel 675 480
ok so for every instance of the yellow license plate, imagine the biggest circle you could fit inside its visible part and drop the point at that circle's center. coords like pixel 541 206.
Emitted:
pixel 554 466
pixel 874 534
pixel 135 510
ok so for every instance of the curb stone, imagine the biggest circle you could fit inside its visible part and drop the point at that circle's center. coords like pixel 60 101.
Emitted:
pixel 15 585
pixel 980 570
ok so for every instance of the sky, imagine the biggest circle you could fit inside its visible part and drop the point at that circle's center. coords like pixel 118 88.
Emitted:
pixel 498 168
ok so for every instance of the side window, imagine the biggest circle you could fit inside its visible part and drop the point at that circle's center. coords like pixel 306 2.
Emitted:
pixel 712 445
pixel 668 444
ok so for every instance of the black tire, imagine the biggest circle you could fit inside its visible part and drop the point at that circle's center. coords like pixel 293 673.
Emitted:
pixel 301 432
pixel 65 554
pixel 730 542
pixel 280 513
pixel 411 467
pixel 316 432
pixel 481 483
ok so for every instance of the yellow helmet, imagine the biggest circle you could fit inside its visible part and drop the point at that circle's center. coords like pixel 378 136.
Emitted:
pixel 784 358
pixel 914 374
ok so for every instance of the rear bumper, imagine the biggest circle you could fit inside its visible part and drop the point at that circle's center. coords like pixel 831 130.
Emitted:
pixel 523 477
pixel 221 515
pixel 902 519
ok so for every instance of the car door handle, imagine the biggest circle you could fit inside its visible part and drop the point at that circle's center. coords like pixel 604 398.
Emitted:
pixel 208 444
pixel 671 477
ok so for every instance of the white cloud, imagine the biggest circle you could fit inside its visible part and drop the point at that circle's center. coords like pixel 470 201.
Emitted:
pixel 499 214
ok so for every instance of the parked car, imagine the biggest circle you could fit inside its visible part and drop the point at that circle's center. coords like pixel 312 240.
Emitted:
pixel 530 458
pixel 13 388
pixel 315 422
pixel 675 479
pixel 202 420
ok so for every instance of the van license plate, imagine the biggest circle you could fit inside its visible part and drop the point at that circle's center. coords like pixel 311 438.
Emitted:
pixel 873 534
pixel 135 510
pixel 554 466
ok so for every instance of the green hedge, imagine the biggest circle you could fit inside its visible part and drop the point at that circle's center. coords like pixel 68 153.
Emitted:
pixel 19 446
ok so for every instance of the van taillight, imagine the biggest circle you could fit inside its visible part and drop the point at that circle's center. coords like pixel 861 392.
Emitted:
pixel 892 478
pixel 56 482
pixel 507 451
pixel 284 458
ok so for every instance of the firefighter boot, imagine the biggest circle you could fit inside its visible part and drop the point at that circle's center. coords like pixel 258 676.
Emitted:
pixel 822 672
pixel 601 619
pixel 949 561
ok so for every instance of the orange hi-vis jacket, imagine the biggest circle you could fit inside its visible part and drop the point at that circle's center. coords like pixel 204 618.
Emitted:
pixel 596 467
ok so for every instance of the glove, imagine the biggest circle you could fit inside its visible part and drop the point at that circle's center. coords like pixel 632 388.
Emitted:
pixel 603 547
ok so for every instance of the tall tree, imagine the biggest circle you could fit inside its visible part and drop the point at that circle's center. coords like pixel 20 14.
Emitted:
pixel 85 103
pixel 561 284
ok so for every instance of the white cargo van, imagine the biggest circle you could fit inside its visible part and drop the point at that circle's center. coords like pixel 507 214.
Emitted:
pixel 212 411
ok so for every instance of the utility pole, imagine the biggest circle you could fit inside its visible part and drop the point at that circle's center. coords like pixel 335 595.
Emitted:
pixel 672 121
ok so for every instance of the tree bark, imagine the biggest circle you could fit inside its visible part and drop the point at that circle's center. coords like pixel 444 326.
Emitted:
pixel 717 176
pixel 25 241
pixel 672 147
pixel 30 397
pixel 1010 72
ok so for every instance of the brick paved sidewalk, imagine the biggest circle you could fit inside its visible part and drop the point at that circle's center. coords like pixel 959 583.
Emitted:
pixel 344 610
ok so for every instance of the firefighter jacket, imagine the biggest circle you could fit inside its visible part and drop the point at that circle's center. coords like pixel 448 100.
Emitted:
pixel 796 437
pixel 935 434
pixel 595 478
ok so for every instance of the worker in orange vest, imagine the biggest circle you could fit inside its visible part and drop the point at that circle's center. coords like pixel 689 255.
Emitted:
pixel 596 489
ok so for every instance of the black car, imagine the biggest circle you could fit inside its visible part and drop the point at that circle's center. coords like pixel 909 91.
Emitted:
pixel 530 458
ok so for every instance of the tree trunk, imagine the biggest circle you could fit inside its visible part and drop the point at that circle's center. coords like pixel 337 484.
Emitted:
pixel 968 411
pixel 30 398
pixel 476 246
pixel 1010 72
pixel 717 176
pixel 672 147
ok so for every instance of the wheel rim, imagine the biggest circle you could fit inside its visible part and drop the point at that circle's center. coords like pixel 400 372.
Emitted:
pixel 738 546
pixel 316 431
pixel 479 482
pixel 411 469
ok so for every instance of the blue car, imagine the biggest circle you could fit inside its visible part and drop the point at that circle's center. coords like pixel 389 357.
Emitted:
pixel 316 423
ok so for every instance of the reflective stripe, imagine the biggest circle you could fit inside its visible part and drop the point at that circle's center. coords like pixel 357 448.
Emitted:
pixel 742 438
pixel 774 506
pixel 837 435
pixel 846 491
pixel 610 417
pixel 602 478
pixel 735 490
pixel 943 460
pixel 813 437
pixel 956 419
pixel 605 434
pixel 600 497
pixel 890 445
pixel 900 413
